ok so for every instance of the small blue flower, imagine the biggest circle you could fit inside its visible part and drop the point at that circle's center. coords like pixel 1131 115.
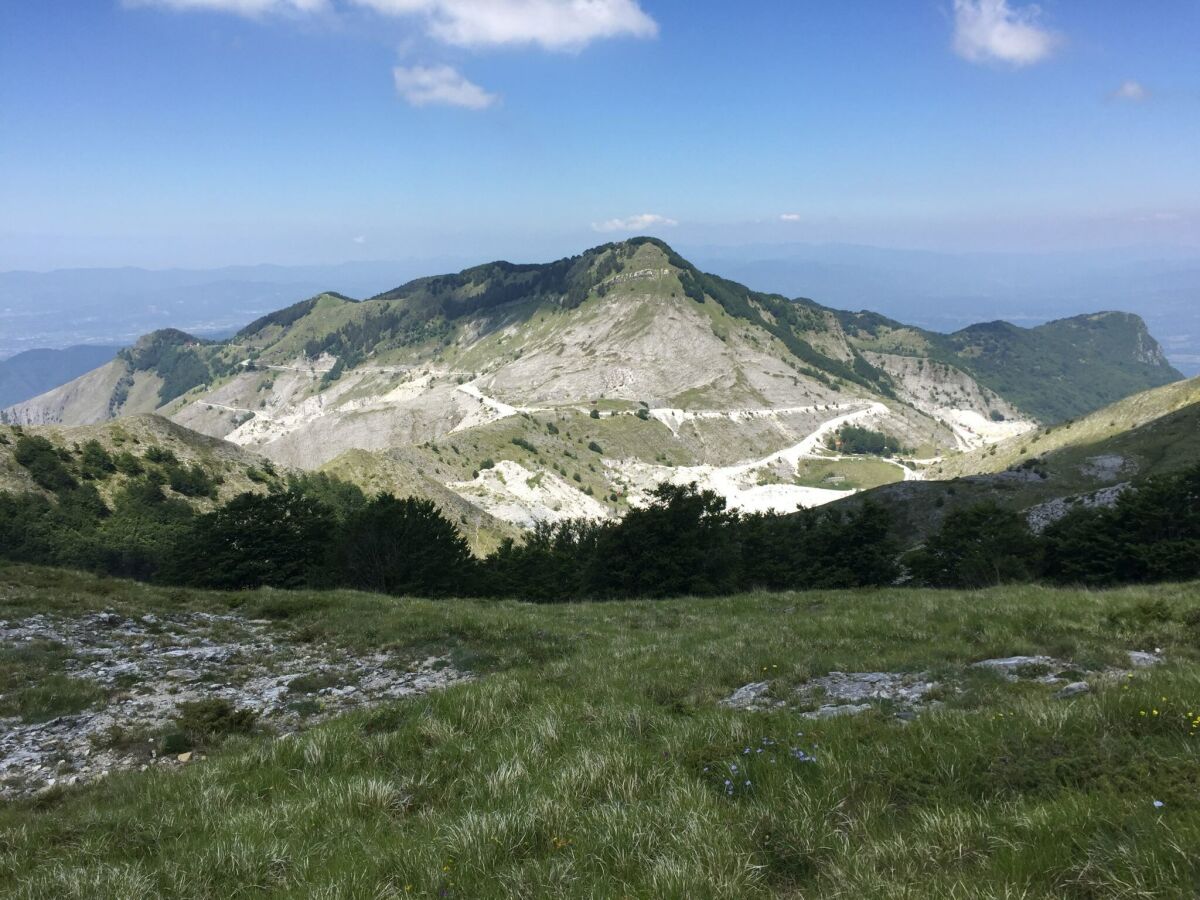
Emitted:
pixel 1158 804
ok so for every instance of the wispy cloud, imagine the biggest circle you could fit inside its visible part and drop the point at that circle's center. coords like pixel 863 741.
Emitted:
pixel 439 86
pixel 993 31
pixel 789 217
pixel 1131 91
pixel 635 223
pixel 567 25
pixel 551 24
pixel 248 8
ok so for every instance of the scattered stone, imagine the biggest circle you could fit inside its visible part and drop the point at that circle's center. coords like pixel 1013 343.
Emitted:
pixel 854 687
pixel 1140 659
pixel 184 757
pixel 147 666
pixel 1073 690
pixel 833 712
pixel 1010 666
pixel 750 696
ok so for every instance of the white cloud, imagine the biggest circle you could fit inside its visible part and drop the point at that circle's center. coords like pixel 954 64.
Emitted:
pixel 992 31
pixel 359 239
pixel 552 24
pixel 439 85
pixel 250 8
pixel 1133 91
pixel 635 223
pixel 789 217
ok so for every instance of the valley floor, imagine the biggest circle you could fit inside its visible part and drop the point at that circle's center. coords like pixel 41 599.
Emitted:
pixel 600 750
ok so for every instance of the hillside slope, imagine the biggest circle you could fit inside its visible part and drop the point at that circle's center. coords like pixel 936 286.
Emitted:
pixel 135 446
pixel 1052 372
pixel 674 374
pixel 34 372
pixel 1044 473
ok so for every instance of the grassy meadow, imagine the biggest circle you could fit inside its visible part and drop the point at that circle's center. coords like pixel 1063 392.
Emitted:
pixel 589 758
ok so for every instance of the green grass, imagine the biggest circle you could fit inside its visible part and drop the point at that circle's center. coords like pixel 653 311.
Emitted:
pixel 575 765
pixel 34 686
pixel 858 474
pixel 1156 430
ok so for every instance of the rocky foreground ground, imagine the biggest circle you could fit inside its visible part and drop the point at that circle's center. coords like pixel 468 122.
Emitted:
pixel 125 680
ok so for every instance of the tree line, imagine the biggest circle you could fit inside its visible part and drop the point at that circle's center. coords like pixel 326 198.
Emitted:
pixel 313 531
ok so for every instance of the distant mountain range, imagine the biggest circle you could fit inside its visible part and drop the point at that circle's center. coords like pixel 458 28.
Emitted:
pixel 533 392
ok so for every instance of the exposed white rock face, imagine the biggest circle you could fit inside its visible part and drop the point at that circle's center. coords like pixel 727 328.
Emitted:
pixel 1044 515
pixel 953 397
pixel 511 492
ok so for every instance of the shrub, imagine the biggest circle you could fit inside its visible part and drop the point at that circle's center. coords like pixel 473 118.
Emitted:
pixel 192 481
pixel 594 447
pixel 39 457
pixel 208 721
pixel 160 455
pixel 127 464
pixel 96 463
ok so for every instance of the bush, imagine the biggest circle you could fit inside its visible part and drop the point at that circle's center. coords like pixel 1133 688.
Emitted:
pixel 192 481
pixel 594 447
pixel 208 721
pixel 158 454
pixel 96 463
pixel 127 464
pixel 38 456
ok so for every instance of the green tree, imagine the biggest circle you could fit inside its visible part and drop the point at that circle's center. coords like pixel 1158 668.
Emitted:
pixel 273 540
pixel 395 546
pixel 682 543
pixel 977 547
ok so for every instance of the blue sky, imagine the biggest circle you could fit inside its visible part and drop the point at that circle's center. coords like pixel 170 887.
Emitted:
pixel 211 132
